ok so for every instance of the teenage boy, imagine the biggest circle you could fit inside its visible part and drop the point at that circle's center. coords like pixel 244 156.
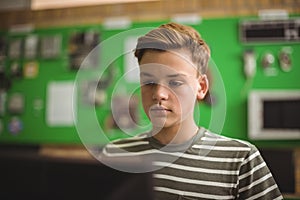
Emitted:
pixel 190 162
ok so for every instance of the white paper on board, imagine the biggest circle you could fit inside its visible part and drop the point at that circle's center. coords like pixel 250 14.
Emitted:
pixel 60 103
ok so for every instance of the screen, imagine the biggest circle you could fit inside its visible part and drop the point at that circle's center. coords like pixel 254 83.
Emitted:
pixel 281 114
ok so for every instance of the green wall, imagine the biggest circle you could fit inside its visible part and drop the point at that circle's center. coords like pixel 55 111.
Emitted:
pixel 229 86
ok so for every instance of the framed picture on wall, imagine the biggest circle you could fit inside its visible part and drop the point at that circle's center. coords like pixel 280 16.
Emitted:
pixel 274 114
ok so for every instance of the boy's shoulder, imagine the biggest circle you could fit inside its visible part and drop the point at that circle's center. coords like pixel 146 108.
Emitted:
pixel 217 146
pixel 218 140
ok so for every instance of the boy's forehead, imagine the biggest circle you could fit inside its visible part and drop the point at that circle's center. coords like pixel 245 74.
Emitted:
pixel 166 63
pixel 156 69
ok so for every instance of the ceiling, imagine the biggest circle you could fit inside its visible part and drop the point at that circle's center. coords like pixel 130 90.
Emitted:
pixel 54 4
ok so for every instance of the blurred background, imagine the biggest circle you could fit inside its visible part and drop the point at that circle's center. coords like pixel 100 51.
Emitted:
pixel 68 78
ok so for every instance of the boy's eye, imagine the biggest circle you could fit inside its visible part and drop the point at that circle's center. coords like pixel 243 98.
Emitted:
pixel 171 83
pixel 174 83
pixel 149 83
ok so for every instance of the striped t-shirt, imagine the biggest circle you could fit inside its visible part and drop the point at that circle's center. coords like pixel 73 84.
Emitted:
pixel 208 166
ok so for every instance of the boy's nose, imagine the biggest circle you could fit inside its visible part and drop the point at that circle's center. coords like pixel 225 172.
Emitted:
pixel 160 92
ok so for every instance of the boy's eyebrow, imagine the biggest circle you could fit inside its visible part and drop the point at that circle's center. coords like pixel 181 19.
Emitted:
pixel 176 75
pixel 145 74
pixel 170 76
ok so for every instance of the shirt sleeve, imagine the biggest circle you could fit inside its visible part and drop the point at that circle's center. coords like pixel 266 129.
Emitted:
pixel 255 179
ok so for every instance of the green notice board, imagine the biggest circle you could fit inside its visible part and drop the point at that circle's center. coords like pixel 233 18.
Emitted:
pixel 37 102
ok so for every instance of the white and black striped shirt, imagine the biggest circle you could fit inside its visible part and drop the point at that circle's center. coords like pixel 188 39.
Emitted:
pixel 209 166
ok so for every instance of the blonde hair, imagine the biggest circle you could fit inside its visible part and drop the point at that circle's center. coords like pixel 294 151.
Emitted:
pixel 173 36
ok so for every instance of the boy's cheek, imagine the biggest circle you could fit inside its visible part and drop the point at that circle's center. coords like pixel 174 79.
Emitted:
pixel 146 96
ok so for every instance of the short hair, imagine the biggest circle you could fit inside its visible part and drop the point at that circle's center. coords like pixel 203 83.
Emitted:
pixel 173 36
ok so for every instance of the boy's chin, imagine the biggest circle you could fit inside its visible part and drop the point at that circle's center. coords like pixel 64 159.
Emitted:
pixel 158 121
pixel 158 124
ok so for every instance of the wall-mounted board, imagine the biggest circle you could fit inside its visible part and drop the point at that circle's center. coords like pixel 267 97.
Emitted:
pixel 61 50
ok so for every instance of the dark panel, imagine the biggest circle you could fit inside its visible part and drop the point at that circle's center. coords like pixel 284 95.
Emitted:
pixel 281 164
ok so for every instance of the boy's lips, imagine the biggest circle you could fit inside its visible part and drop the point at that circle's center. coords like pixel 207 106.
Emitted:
pixel 159 109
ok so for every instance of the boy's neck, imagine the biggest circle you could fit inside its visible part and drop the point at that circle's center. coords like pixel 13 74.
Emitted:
pixel 176 134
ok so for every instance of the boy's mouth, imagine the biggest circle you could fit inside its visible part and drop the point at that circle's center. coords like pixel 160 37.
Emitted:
pixel 156 109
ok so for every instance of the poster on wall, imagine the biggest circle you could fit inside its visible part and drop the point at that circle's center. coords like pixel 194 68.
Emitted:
pixel 60 103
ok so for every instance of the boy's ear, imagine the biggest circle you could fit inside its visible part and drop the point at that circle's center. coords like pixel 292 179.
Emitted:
pixel 203 87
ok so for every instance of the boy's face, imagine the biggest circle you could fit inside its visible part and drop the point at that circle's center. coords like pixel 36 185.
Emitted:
pixel 170 87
